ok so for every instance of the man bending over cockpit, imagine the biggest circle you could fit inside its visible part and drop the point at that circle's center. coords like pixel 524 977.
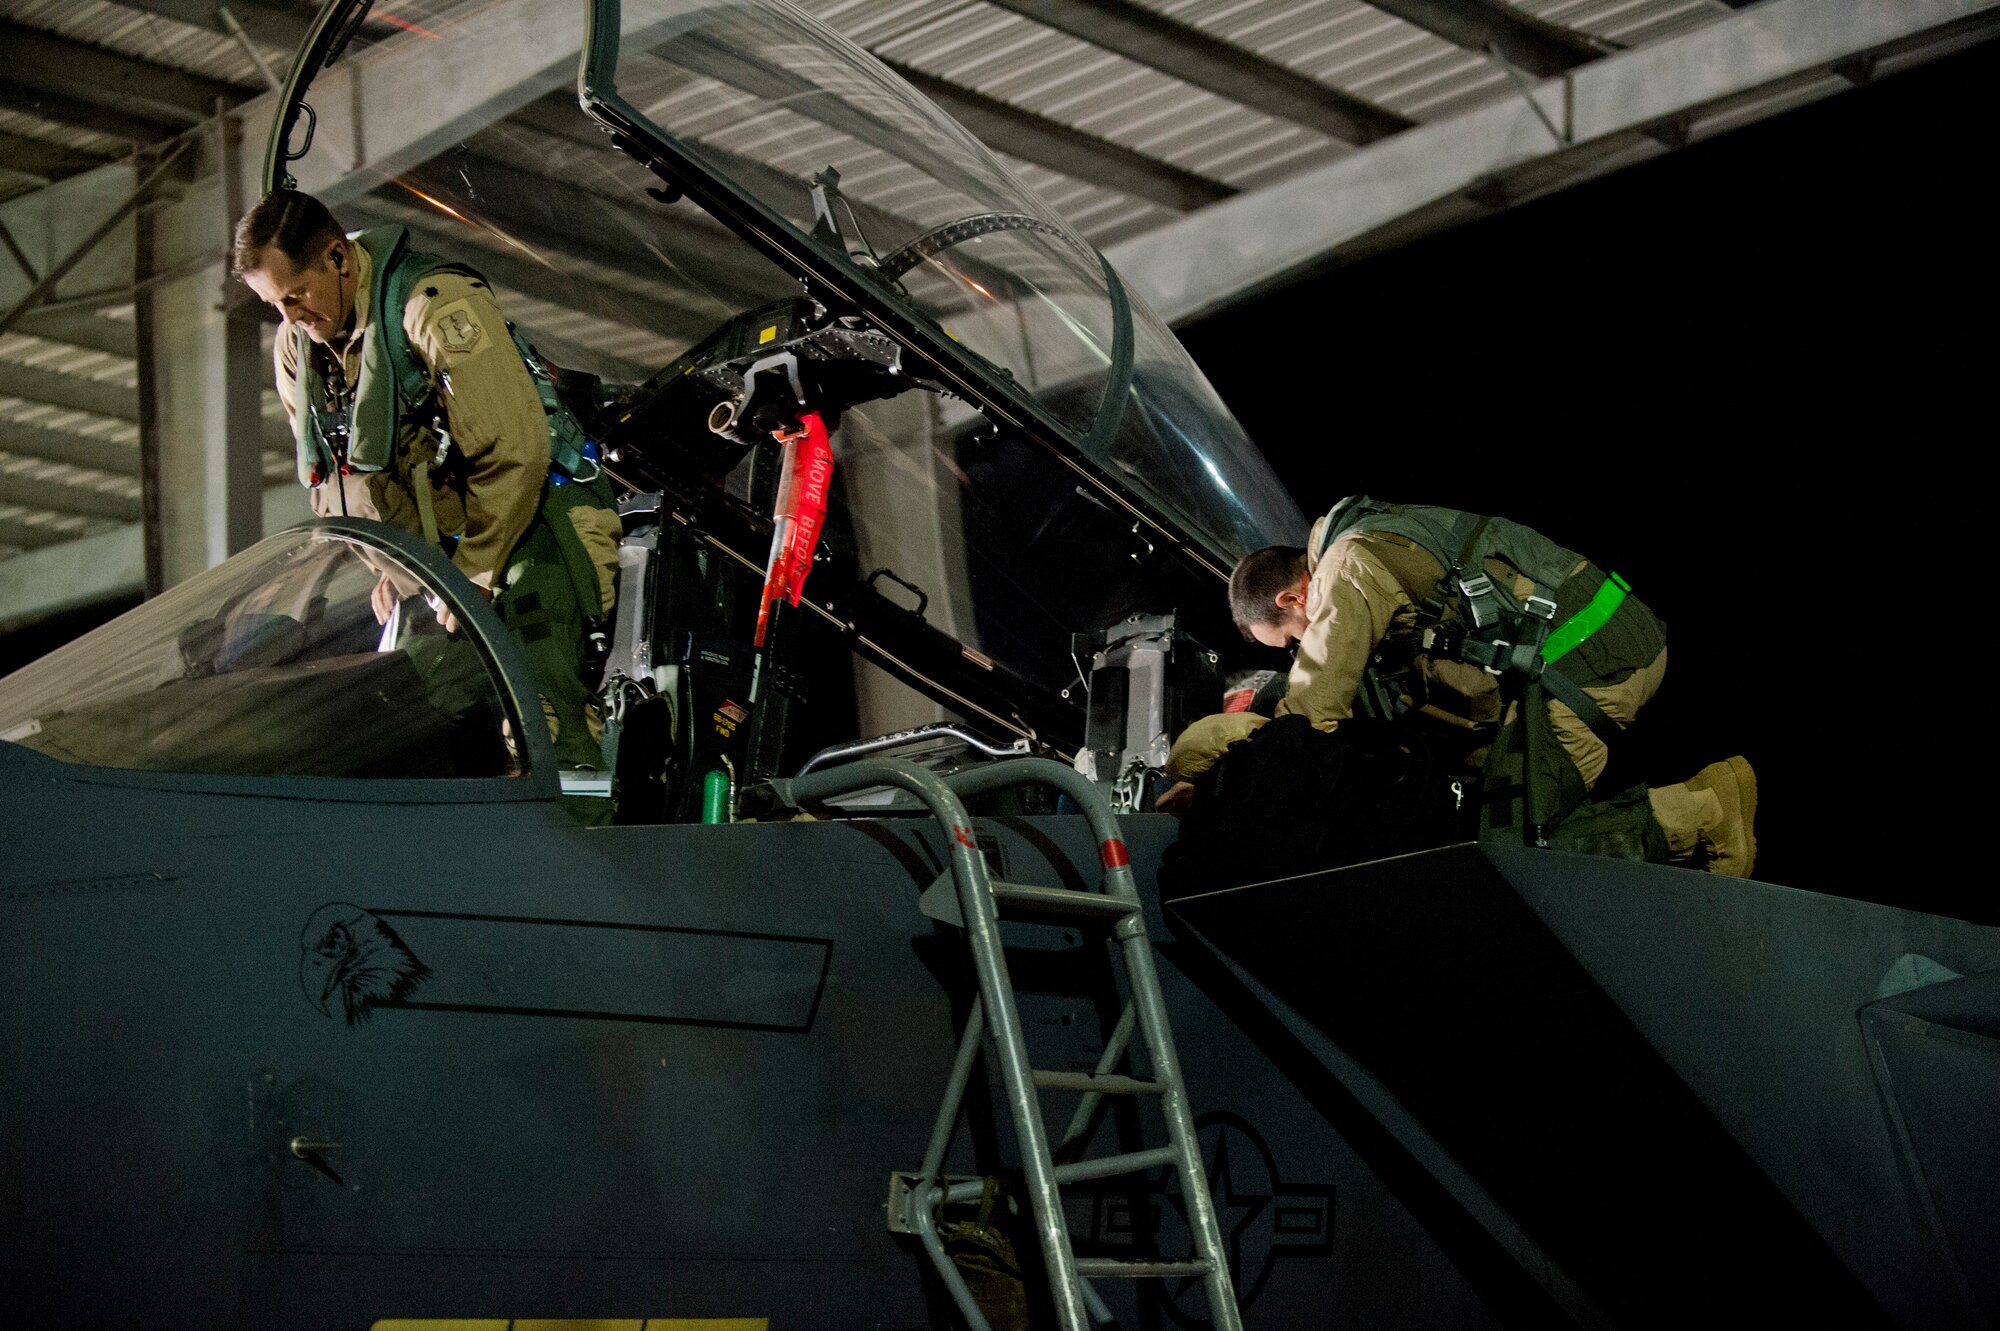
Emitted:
pixel 430 418
pixel 1462 596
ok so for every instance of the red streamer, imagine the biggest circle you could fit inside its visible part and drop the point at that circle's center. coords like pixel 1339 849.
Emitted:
pixel 799 516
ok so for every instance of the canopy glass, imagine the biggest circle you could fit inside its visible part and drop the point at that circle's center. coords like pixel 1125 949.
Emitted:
pixel 318 652
pixel 1076 469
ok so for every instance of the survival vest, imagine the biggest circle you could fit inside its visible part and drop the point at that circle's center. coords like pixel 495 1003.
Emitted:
pixel 1508 635
pixel 1458 541
pixel 394 383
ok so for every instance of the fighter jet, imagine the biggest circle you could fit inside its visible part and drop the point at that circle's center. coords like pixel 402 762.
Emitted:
pixel 321 1013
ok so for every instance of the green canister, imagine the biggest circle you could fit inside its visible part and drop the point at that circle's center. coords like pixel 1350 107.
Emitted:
pixel 715 797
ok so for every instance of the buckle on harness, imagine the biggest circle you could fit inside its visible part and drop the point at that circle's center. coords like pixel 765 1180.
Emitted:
pixel 1541 607
pixel 1482 604
pixel 1445 641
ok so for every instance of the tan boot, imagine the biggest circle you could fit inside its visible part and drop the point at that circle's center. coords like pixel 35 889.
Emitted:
pixel 1708 818
pixel 1731 841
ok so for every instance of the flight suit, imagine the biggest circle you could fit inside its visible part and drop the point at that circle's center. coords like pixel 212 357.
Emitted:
pixel 1364 590
pixel 547 554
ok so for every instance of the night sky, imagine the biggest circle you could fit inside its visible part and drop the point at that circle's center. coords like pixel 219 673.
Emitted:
pixel 1754 377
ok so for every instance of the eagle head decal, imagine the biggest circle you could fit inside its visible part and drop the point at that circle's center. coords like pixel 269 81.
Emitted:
pixel 353 961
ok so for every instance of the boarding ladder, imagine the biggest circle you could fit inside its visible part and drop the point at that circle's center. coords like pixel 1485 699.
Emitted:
pixel 980 902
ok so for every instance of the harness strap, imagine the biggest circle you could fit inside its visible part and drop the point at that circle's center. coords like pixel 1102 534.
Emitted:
pixel 1482 603
pixel 420 481
pixel 1568 692
pixel 1471 546
pixel 1578 627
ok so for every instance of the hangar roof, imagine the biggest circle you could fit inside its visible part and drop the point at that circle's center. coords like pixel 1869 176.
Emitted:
pixel 1128 116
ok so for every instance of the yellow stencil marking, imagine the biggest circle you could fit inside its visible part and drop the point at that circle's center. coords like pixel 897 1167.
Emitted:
pixel 767 335
pixel 573 1324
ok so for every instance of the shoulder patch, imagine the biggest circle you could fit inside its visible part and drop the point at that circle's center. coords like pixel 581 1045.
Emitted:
pixel 459 329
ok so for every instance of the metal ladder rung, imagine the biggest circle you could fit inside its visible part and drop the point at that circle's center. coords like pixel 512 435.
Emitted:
pixel 1061 901
pixel 1116 1267
pixel 1105 1166
pixel 915 1199
pixel 1104 1083
pixel 1017 900
pixel 1081 1171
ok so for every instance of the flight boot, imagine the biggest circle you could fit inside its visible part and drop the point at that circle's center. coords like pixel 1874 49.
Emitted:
pixel 1709 819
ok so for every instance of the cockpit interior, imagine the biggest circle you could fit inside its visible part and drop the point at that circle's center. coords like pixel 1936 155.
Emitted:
pixel 1011 540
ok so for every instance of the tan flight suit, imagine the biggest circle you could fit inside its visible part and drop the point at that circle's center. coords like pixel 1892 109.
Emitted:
pixel 1366 587
pixel 490 491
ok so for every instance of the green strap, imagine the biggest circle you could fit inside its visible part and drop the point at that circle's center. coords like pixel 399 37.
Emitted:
pixel 1586 621
pixel 420 482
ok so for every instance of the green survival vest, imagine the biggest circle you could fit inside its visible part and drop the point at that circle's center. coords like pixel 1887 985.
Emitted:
pixel 394 382
pixel 1448 535
pixel 1462 543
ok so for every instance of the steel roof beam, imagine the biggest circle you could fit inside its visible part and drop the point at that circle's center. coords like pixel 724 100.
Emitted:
pixel 42 159
pixel 444 91
pixel 1068 151
pixel 66 570
pixel 62 570
pixel 81 328
pixel 17 487
pixel 1606 113
pixel 25 535
pixel 1531 45
pixel 62 109
pixel 275 24
pixel 70 392
pixel 121 83
pixel 65 446
pixel 1193 56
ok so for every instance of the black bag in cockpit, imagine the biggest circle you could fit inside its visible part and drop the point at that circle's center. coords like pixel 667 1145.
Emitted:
pixel 1291 799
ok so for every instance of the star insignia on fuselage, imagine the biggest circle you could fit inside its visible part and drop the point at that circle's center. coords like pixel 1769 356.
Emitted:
pixel 1260 1214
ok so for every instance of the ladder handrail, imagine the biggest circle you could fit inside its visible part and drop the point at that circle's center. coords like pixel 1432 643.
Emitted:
pixel 1066 779
pixel 1144 980
pixel 982 926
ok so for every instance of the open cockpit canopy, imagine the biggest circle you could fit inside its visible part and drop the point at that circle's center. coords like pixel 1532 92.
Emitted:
pixel 320 652
pixel 661 190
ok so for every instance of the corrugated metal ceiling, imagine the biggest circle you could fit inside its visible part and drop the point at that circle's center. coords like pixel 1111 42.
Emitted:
pixel 132 32
pixel 1096 94
pixel 1626 22
pixel 1347 45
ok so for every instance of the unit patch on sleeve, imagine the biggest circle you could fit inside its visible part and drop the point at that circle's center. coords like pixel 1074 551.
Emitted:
pixel 459 329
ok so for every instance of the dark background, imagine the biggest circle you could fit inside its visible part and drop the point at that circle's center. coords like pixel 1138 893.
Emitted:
pixel 1754 377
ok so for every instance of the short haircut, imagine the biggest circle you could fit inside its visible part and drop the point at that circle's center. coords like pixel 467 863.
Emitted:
pixel 297 225
pixel 1259 577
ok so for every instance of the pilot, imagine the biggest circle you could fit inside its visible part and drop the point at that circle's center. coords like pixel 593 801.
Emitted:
pixel 1373 576
pixel 431 419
